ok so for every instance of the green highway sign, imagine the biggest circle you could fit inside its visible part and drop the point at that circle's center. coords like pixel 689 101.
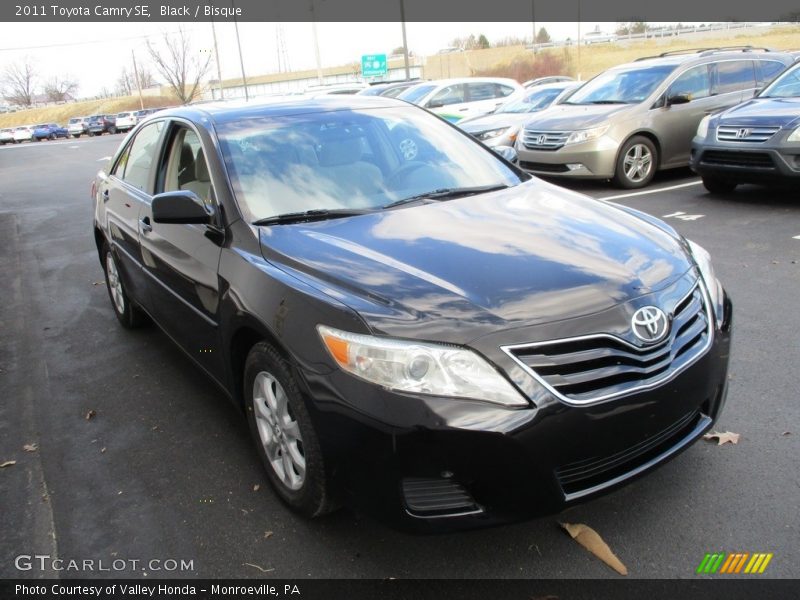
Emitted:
pixel 373 65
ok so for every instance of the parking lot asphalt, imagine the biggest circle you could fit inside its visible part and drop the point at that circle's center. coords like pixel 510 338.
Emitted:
pixel 164 469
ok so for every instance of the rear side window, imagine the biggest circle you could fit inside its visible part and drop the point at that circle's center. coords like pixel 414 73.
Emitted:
pixel 694 83
pixel 481 91
pixel 452 94
pixel 503 90
pixel 734 76
pixel 768 70
pixel 134 165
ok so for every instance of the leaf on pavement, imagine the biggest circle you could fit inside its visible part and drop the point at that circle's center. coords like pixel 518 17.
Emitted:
pixel 591 540
pixel 787 433
pixel 91 415
pixel 262 569
pixel 267 534
pixel 31 447
pixel 722 438
pixel 7 463
pixel 256 487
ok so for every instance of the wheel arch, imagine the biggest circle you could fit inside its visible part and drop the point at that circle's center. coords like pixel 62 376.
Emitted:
pixel 646 133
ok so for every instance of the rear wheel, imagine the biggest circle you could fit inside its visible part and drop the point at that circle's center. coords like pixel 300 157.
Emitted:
pixel 283 432
pixel 130 315
pixel 636 163
pixel 715 185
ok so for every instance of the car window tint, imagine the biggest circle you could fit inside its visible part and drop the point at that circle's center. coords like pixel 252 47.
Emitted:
pixel 501 91
pixel 452 94
pixel 734 76
pixel 694 83
pixel 481 91
pixel 769 70
pixel 140 159
pixel 187 167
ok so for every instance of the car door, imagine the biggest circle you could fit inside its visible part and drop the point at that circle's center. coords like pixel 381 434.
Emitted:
pixel 733 81
pixel 182 260
pixel 676 124
pixel 126 189
pixel 450 102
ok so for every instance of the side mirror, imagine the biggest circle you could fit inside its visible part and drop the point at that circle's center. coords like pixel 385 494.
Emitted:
pixel 507 152
pixel 435 104
pixel 678 99
pixel 180 207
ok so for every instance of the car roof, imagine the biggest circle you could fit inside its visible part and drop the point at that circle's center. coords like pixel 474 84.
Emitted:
pixel 703 56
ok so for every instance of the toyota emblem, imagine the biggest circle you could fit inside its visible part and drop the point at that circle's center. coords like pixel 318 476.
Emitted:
pixel 649 324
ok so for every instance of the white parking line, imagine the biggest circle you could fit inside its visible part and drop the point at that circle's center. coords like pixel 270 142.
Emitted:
pixel 796 237
pixel 644 193
pixel 103 158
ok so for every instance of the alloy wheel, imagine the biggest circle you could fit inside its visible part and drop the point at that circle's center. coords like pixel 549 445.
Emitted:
pixel 115 284
pixel 638 163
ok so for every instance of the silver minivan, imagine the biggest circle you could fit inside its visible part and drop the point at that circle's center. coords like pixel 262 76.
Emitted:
pixel 635 119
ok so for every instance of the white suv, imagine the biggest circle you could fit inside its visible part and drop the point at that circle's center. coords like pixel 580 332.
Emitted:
pixel 456 99
pixel 126 120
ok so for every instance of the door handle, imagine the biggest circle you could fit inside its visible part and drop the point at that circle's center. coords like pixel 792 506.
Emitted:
pixel 463 109
pixel 105 195
pixel 146 227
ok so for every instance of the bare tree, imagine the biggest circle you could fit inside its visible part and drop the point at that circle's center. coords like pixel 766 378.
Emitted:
pixel 19 80
pixel 59 89
pixel 179 65
pixel 126 82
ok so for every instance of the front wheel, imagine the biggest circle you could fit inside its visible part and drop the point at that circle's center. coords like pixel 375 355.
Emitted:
pixel 636 163
pixel 129 315
pixel 718 186
pixel 283 432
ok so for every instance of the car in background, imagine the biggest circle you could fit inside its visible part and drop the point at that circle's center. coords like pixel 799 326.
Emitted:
pixel 23 133
pixel 637 118
pixel 755 142
pixel 125 121
pixel 389 89
pixel 49 131
pixel 346 89
pixel 100 124
pixel 598 37
pixel 456 99
pixel 502 127
pixel 76 126
pixel 438 338
pixel 6 136
pixel 142 114
pixel 548 79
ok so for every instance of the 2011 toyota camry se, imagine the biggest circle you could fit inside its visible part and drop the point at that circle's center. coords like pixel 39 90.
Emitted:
pixel 411 324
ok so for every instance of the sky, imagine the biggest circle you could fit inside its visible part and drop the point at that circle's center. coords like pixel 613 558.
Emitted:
pixel 94 53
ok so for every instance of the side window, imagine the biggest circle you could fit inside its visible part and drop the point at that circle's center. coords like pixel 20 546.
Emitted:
pixel 186 166
pixel 480 91
pixel 502 91
pixel 734 76
pixel 452 94
pixel 141 155
pixel 119 168
pixel 769 69
pixel 695 83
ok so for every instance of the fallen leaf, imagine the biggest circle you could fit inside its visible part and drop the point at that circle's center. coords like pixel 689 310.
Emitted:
pixel 787 433
pixel 97 283
pixel 7 463
pixel 91 415
pixel 591 540
pixel 262 569
pixel 256 487
pixel 722 438
pixel 102 450
pixel 267 534
pixel 31 447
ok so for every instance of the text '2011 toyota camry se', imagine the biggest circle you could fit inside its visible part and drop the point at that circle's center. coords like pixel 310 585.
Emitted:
pixel 411 324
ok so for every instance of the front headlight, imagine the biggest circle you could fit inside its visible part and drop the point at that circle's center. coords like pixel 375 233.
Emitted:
pixel 714 287
pixel 585 135
pixel 702 128
pixel 794 136
pixel 492 133
pixel 419 367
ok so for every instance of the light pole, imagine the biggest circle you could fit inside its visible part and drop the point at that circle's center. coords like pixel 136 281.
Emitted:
pixel 239 44
pixel 216 57
pixel 405 44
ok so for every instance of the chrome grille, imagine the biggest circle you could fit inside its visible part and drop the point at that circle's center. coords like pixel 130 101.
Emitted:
pixel 598 367
pixel 745 134
pixel 544 140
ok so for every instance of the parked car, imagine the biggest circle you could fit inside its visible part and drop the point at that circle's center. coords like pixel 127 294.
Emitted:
pixel 438 338
pixel 502 127
pixel 755 142
pixel 49 131
pixel 549 79
pixel 389 89
pixel 456 99
pixel 142 114
pixel 6 136
pixel 346 89
pixel 100 124
pixel 598 37
pixel 125 121
pixel 23 133
pixel 77 126
pixel 637 118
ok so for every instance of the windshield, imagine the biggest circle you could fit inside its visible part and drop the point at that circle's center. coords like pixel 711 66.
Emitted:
pixel 531 101
pixel 785 86
pixel 628 86
pixel 365 159
pixel 416 93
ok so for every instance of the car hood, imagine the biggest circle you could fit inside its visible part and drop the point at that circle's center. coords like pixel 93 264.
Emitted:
pixel 781 112
pixel 456 270
pixel 494 121
pixel 566 117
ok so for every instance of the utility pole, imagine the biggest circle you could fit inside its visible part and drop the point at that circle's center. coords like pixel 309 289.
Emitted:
pixel 216 57
pixel 239 44
pixel 316 42
pixel 533 21
pixel 138 81
pixel 579 40
pixel 405 44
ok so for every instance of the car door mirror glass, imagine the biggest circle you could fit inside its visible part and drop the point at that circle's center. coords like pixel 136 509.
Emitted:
pixel 180 207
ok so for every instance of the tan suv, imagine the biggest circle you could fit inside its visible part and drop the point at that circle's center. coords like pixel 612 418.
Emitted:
pixel 634 119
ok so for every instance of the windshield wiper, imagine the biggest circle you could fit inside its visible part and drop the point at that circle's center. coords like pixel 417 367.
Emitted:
pixel 448 194
pixel 607 102
pixel 316 214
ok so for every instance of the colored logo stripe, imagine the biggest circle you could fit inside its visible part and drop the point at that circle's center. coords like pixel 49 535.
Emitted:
pixel 734 563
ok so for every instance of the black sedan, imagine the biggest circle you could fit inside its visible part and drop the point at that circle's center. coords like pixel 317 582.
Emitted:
pixel 755 142
pixel 411 324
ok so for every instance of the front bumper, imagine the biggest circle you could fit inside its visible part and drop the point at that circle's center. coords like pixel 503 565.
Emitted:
pixel 481 464
pixel 597 160
pixel 746 162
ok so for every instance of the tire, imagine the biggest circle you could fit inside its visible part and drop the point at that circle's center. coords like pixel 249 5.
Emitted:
pixel 128 314
pixel 51 137
pixel 112 130
pixel 636 163
pixel 91 134
pixel 76 135
pixel 716 185
pixel 289 440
